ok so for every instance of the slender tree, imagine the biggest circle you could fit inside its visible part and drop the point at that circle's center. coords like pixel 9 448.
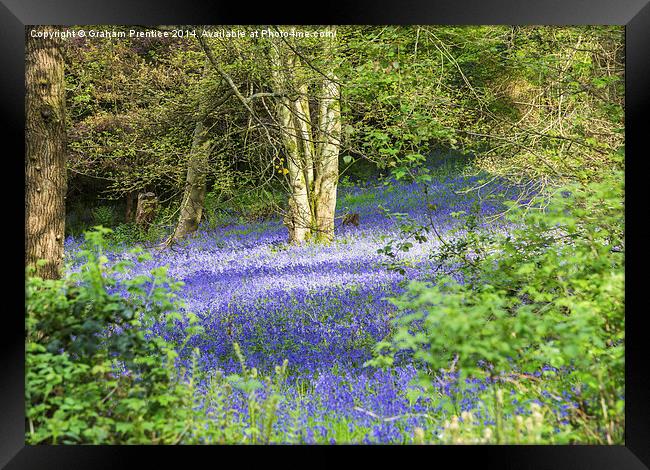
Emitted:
pixel 329 144
pixel 195 184
pixel 45 171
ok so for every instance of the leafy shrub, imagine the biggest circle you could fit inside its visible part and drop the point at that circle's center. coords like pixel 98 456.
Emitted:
pixel 127 234
pixel 95 373
pixel 105 363
pixel 548 295
pixel 103 215
pixel 249 206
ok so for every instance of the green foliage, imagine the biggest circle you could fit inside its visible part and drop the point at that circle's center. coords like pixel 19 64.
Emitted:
pixel 536 428
pixel 356 201
pixel 103 215
pixel 528 101
pixel 391 84
pixel 223 208
pixel 95 373
pixel 550 294
pixel 126 234
pixel 261 413
pixel 98 370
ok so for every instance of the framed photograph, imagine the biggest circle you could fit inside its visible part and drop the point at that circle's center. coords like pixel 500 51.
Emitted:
pixel 375 227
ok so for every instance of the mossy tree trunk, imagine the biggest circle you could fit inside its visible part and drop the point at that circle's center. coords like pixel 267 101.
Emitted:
pixel 195 184
pixel 45 164
pixel 129 212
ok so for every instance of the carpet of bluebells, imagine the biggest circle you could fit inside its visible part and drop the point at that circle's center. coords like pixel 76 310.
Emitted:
pixel 322 308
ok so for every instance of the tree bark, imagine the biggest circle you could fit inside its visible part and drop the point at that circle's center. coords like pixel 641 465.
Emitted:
pixel 312 163
pixel 45 171
pixel 128 216
pixel 195 185
pixel 299 217
pixel 329 143
pixel 146 211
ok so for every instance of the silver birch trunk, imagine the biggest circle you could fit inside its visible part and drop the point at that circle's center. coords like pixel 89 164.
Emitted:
pixel 329 143
pixel 298 219
pixel 312 163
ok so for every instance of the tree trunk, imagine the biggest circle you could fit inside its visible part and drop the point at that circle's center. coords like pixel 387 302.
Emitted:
pixel 299 216
pixel 195 185
pixel 146 212
pixel 329 142
pixel 45 171
pixel 128 216
pixel 312 167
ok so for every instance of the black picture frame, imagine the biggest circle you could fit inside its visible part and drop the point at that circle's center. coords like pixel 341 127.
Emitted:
pixel 634 14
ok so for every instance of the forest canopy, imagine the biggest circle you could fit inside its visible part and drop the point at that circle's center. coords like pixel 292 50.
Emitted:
pixel 518 96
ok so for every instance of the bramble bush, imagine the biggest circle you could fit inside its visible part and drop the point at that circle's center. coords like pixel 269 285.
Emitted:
pixel 547 297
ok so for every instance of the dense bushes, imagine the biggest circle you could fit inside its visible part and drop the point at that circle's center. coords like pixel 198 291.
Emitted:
pixel 94 373
pixel 100 368
pixel 547 297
